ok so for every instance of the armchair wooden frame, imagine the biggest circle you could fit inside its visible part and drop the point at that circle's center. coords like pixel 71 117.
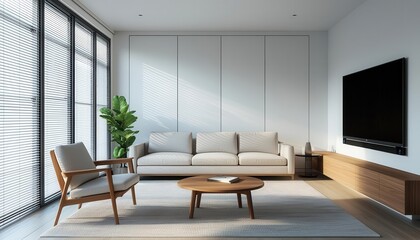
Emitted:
pixel 64 179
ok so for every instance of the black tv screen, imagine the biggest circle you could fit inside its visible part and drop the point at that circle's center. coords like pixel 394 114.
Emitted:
pixel 374 107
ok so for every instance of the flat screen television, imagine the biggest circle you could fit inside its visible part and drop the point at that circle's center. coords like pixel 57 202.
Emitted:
pixel 374 107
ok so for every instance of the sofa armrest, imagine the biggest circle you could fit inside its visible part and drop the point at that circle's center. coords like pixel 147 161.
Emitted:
pixel 137 151
pixel 288 152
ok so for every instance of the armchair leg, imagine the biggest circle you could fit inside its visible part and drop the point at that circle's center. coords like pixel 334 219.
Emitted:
pixel 114 208
pixel 60 207
pixel 133 195
pixel 80 205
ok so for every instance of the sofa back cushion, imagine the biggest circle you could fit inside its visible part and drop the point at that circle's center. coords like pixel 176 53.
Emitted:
pixel 258 142
pixel 217 142
pixel 170 142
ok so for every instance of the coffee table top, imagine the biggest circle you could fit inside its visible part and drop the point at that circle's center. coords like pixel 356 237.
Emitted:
pixel 201 184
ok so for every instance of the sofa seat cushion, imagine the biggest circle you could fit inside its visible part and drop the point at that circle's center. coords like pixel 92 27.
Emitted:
pixel 215 159
pixel 165 158
pixel 100 185
pixel 261 159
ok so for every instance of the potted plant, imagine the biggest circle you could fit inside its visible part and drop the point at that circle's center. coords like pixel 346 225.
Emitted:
pixel 119 120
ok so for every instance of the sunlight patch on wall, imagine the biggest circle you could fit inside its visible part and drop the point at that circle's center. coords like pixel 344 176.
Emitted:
pixel 156 92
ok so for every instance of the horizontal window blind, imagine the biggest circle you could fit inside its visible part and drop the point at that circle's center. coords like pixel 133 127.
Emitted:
pixel 19 110
pixel 102 64
pixel 38 105
pixel 57 91
pixel 83 87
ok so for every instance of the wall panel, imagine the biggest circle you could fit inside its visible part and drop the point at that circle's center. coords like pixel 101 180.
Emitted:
pixel 242 83
pixel 287 88
pixel 153 83
pixel 199 83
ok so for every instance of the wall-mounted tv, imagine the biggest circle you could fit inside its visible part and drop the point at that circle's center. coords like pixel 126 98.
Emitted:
pixel 374 107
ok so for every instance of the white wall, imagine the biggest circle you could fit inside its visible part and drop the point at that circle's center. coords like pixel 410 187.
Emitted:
pixel 376 32
pixel 317 75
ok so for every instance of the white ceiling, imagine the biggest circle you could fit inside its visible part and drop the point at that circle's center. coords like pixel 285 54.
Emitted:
pixel 220 15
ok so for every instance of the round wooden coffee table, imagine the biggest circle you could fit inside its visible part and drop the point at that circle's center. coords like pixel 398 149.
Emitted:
pixel 199 185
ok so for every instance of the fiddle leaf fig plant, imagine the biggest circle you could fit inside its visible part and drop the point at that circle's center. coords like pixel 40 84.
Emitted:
pixel 119 120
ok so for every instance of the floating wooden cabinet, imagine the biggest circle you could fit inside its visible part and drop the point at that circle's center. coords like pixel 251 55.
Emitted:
pixel 395 188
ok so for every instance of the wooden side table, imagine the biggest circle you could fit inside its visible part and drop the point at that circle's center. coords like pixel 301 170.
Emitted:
pixel 309 172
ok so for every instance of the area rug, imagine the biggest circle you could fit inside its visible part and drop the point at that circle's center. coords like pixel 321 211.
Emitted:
pixel 282 209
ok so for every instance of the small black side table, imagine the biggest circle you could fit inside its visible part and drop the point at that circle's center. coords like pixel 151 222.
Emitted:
pixel 309 172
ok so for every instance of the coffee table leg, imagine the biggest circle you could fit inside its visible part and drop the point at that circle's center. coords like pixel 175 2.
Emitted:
pixel 192 204
pixel 198 199
pixel 239 200
pixel 250 206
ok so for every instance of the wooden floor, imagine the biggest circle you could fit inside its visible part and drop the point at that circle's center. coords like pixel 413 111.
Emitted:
pixel 386 222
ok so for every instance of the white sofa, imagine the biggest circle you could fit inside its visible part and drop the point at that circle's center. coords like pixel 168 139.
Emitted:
pixel 243 153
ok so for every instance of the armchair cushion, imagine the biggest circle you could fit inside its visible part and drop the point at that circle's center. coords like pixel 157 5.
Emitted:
pixel 266 142
pixel 100 185
pixel 170 142
pixel 75 157
pixel 217 142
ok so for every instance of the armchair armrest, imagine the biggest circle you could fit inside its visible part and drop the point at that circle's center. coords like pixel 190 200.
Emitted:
pixel 129 161
pixel 288 152
pixel 85 171
pixel 135 152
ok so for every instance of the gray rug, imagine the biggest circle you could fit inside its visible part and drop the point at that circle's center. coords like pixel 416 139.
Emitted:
pixel 282 209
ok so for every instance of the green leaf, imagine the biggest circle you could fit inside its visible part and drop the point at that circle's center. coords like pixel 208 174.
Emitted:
pixel 121 152
pixel 115 152
pixel 107 117
pixel 130 119
pixel 116 103
pixel 106 111
pixel 124 109
pixel 130 140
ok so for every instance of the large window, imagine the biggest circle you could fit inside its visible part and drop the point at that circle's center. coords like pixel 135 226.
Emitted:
pixel 51 63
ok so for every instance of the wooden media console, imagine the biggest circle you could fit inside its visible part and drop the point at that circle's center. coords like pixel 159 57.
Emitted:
pixel 395 188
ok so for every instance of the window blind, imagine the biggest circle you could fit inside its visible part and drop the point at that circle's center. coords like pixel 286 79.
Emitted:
pixel 83 87
pixel 19 110
pixel 57 91
pixel 67 83
pixel 102 77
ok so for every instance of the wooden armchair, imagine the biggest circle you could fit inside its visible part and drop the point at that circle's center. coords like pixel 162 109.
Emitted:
pixel 76 172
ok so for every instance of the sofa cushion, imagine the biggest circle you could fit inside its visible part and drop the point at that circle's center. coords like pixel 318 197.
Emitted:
pixel 75 157
pixel 100 185
pixel 258 142
pixel 261 159
pixel 165 158
pixel 170 142
pixel 217 142
pixel 215 158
